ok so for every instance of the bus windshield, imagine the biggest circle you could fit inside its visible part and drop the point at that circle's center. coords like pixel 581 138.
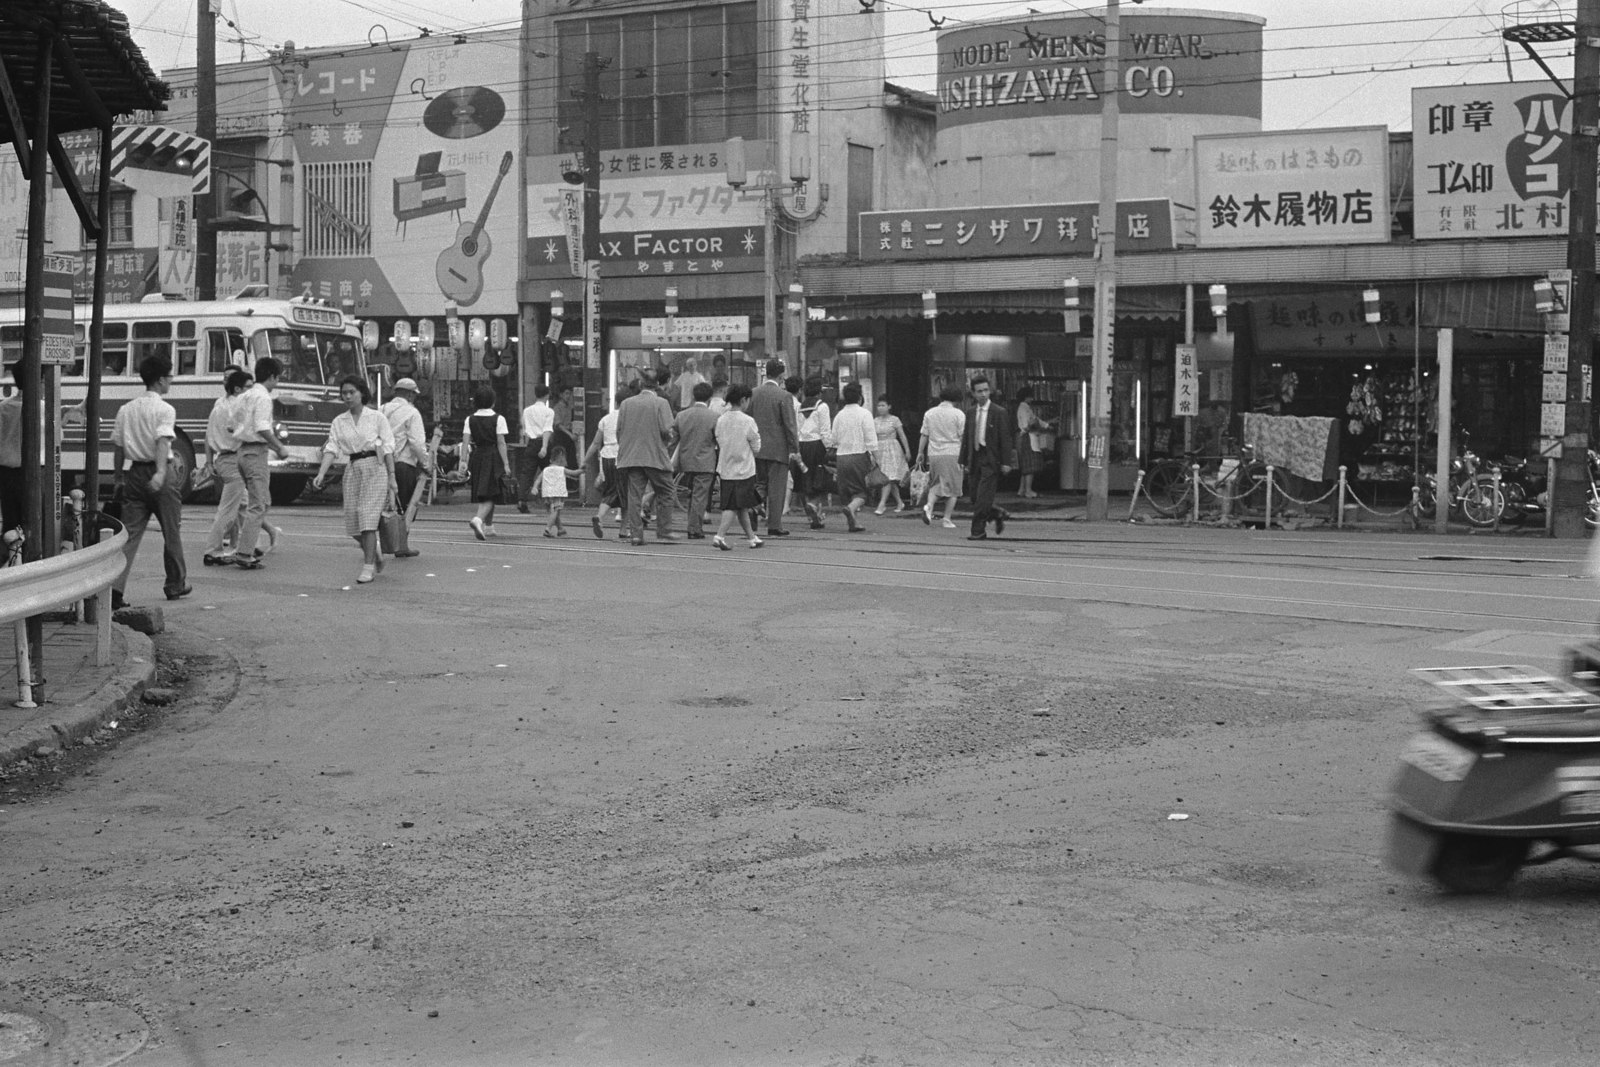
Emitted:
pixel 310 358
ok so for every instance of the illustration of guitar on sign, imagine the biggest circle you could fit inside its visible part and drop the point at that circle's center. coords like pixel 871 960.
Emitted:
pixel 459 270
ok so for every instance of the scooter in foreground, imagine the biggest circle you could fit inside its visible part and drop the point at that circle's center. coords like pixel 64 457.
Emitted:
pixel 1506 776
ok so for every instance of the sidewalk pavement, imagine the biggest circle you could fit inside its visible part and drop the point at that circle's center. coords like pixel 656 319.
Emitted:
pixel 80 697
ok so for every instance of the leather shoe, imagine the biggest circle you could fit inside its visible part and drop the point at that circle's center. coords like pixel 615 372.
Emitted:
pixel 978 537
pixel 118 601
pixel 637 541
pixel 1000 518
pixel 695 536
pixel 667 538
pixel 174 594
pixel 777 533
pixel 406 553
pixel 218 561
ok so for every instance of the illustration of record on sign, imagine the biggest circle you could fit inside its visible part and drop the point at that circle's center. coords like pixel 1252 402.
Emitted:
pixel 463 112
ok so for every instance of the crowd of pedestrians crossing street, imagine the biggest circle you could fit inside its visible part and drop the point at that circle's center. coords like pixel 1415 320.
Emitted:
pixel 725 454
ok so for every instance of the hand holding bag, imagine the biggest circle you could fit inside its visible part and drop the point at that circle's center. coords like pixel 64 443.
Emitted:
pixel 918 483
pixel 876 479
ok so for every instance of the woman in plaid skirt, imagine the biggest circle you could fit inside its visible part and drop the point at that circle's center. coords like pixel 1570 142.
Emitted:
pixel 361 437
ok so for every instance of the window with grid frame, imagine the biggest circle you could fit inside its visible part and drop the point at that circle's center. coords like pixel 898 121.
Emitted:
pixel 119 223
pixel 680 76
pixel 337 208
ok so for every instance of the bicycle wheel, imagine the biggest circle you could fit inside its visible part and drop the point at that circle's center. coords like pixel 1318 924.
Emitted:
pixel 1482 503
pixel 1170 486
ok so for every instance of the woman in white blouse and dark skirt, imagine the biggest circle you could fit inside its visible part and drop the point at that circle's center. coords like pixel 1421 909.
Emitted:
pixel 361 437
pixel 855 441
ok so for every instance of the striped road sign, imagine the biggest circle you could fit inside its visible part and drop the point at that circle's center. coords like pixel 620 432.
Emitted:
pixel 58 336
pixel 162 148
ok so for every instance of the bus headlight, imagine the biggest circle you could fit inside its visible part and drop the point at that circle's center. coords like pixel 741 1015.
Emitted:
pixel 281 431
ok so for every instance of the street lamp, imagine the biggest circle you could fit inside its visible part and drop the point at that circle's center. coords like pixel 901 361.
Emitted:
pixel 738 177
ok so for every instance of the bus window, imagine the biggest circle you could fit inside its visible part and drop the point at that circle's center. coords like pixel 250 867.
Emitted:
pixel 188 348
pixel 300 364
pixel 151 339
pixel 114 348
pixel 10 343
pixel 343 357
pixel 220 347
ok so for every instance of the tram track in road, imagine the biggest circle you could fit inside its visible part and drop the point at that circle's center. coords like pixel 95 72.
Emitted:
pixel 1332 592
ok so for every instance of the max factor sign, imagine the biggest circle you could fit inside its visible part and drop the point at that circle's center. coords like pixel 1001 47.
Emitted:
pixel 1171 64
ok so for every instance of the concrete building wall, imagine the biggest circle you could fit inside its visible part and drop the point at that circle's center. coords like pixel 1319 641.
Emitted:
pixel 1020 102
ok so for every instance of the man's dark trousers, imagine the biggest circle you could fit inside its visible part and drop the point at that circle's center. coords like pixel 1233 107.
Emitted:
pixel 139 503
pixel 985 480
pixel 772 475
pixel 638 480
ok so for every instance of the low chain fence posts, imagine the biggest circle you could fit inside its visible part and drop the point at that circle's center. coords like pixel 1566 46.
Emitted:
pixel 1346 490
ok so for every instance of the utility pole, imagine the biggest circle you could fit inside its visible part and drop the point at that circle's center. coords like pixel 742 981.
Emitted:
pixel 1105 275
pixel 1569 496
pixel 593 375
pixel 205 125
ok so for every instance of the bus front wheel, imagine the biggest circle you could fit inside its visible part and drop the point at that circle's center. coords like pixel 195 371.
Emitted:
pixel 286 488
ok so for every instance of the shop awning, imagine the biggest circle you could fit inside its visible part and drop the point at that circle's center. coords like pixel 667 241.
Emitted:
pixel 1490 305
pixel 1149 303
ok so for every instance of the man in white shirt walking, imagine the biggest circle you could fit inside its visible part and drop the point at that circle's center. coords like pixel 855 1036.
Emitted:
pixel 256 435
pixel 142 437
pixel 410 454
pixel 222 446
pixel 538 426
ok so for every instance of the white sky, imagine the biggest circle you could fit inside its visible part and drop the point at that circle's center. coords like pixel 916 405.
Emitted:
pixel 1353 61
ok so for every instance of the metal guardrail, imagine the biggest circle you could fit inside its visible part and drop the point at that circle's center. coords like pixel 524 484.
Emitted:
pixel 48 584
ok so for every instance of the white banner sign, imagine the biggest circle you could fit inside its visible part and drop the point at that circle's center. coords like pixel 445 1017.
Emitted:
pixel 572 225
pixel 1293 188
pixel 713 330
pixel 1186 386
pixel 1491 160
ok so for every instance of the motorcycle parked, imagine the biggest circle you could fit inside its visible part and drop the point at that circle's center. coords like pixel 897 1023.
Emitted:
pixel 1473 493
pixel 1526 489
pixel 1510 764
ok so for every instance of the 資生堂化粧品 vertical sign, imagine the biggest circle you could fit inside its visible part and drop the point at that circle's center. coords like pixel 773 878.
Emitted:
pixel 800 104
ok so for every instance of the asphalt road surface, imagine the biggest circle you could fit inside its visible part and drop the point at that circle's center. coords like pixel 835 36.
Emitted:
pixel 887 799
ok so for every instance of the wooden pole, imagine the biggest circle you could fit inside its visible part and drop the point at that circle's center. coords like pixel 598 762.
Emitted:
pixel 1569 495
pixel 29 380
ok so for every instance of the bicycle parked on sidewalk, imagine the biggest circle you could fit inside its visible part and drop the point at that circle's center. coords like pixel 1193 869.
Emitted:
pixel 1473 493
pixel 1238 481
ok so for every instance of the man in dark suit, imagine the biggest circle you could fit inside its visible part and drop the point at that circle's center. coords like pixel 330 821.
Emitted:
pixel 697 454
pixel 773 409
pixel 988 450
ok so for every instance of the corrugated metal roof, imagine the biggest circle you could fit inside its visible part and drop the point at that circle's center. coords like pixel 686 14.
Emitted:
pixel 93 40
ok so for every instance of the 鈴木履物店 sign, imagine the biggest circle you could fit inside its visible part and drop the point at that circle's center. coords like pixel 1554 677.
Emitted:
pixel 1292 188
pixel 1025 230
pixel 1491 160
